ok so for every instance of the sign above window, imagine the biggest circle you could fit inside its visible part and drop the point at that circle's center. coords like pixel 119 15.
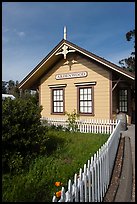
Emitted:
pixel 71 75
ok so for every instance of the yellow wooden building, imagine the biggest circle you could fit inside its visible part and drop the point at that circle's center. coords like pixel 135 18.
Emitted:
pixel 70 77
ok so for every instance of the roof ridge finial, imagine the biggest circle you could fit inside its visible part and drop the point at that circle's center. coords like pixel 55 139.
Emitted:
pixel 65 32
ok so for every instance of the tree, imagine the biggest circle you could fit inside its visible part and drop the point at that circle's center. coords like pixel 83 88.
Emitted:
pixel 4 87
pixel 16 90
pixel 11 85
pixel 129 63
pixel 13 88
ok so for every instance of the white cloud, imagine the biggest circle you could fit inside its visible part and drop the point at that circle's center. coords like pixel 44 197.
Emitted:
pixel 21 34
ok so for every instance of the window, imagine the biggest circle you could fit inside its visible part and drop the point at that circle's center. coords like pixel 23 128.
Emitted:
pixel 57 100
pixel 85 100
pixel 123 100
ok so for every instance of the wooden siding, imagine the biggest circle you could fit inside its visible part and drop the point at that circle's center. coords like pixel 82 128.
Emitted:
pixel 95 73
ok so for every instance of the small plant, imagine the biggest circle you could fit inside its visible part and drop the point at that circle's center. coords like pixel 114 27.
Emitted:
pixel 72 124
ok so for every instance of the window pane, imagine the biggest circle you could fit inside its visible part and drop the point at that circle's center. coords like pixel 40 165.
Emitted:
pixel 85 103
pixel 55 92
pixel 122 97
pixel 125 97
pixel 81 103
pixel 123 104
pixel 55 109
pixel 81 91
pixel 89 103
pixel 81 109
pixel 85 109
pixel 122 92
pixel 85 91
pixel 89 109
pixel 89 91
pixel 81 97
pixel 125 92
pixel 61 92
pixel 61 104
pixel 61 109
pixel 61 98
pixel 89 97
pixel 85 97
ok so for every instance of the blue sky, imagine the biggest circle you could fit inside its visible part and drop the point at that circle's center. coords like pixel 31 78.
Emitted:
pixel 30 30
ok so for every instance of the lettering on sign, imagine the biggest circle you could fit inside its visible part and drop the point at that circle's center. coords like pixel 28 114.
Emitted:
pixel 71 75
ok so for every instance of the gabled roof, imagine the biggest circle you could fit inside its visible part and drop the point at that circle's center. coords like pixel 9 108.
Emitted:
pixel 44 66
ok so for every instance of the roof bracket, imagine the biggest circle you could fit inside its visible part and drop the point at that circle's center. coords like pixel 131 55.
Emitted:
pixel 116 83
pixel 65 50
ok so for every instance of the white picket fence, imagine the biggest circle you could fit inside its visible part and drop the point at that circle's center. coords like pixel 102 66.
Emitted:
pixel 86 126
pixel 92 183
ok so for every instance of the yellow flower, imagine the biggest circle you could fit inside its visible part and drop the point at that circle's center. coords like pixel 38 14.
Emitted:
pixel 58 194
pixel 58 183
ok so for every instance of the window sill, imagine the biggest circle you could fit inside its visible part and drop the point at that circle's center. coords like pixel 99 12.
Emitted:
pixel 86 114
pixel 57 113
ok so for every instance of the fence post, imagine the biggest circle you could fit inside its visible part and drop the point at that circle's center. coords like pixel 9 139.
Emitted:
pixel 70 199
pixel 63 195
pixel 76 188
pixel 81 185
pixel 85 182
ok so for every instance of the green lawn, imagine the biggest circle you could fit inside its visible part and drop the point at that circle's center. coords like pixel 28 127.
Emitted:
pixel 69 152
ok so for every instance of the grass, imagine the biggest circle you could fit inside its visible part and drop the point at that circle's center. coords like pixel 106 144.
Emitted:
pixel 69 152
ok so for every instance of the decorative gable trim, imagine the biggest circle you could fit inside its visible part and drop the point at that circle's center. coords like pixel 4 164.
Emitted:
pixel 65 47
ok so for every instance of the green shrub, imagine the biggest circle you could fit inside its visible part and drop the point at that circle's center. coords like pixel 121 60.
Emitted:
pixel 72 117
pixel 23 136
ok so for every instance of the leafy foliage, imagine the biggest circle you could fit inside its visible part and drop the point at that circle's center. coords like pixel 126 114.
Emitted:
pixel 129 63
pixel 4 87
pixel 22 133
pixel 12 87
pixel 72 117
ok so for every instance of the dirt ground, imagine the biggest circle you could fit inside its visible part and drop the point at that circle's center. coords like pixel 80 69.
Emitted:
pixel 111 193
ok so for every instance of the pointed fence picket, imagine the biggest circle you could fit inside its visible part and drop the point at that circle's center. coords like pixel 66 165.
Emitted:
pixel 92 182
pixel 86 126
